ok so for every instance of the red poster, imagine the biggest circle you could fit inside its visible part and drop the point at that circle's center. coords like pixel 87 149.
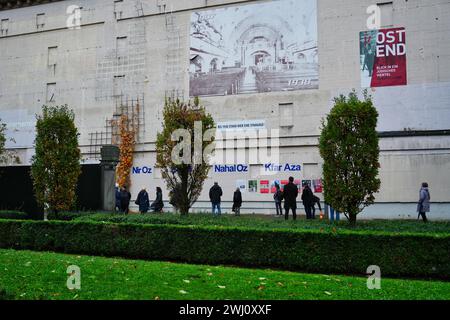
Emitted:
pixel 383 58
pixel 264 186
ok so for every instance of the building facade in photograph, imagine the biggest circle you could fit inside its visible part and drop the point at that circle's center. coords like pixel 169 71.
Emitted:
pixel 265 70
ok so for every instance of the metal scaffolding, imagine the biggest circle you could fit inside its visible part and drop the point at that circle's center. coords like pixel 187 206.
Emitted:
pixel 134 111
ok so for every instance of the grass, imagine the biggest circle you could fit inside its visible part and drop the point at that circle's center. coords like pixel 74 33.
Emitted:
pixel 271 222
pixel 38 275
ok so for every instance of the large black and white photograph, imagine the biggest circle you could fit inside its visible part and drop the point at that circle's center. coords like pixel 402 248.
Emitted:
pixel 256 48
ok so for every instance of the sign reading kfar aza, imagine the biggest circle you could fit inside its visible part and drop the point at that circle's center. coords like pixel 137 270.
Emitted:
pixel 271 167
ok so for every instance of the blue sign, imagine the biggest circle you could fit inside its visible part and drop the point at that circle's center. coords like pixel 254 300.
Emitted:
pixel 271 167
pixel 240 168
pixel 142 170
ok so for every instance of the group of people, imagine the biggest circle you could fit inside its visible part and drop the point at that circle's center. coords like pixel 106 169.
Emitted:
pixel 123 198
pixel 215 196
pixel 289 195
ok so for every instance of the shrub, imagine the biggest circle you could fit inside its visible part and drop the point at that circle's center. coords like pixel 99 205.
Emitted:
pixel 69 216
pixel 350 150
pixel 344 252
pixel 56 165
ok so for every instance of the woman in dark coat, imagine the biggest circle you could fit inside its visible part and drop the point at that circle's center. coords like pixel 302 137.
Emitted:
pixel 125 197
pixel 237 202
pixel 424 202
pixel 158 204
pixel 142 201
pixel 308 200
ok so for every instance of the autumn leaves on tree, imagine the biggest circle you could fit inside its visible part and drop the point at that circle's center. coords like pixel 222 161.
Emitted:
pixel 127 131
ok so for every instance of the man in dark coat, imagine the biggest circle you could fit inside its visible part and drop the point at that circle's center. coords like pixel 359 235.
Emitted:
pixel 308 201
pixel 118 206
pixel 278 197
pixel 125 198
pixel 142 201
pixel 158 204
pixel 290 195
pixel 215 194
pixel 237 202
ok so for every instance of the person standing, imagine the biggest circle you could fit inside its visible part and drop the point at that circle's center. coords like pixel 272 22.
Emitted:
pixel 237 202
pixel 278 197
pixel 158 204
pixel 308 201
pixel 316 200
pixel 125 198
pixel 424 202
pixel 142 201
pixel 215 194
pixel 118 206
pixel 290 195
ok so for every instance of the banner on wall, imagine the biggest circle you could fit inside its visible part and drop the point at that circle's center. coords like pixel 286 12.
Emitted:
pixel 383 58
pixel 268 46
pixel 253 186
pixel 306 183
pixel 241 185
pixel 318 186
pixel 264 186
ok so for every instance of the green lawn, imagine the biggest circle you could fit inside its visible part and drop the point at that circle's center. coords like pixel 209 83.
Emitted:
pixel 271 222
pixel 34 275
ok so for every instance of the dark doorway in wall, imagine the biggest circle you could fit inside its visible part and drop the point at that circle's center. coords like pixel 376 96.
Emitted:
pixel 16 190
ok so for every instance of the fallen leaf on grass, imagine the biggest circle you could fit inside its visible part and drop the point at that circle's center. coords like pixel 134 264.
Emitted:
pixel 261 288
pixel 280 284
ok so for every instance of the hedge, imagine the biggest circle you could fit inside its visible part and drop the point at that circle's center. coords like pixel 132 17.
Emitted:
pixel 17 215
pixel 346 252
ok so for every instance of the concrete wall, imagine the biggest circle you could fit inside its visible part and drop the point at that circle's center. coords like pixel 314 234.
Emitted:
pixel 88 61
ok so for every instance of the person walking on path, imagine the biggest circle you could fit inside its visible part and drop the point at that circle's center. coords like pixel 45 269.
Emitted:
pixel 278 197
pixel 290 195
pixel 424 202
pixel 308 201
pixel 158 204
pixel 125 198
pixel 215 195
pixel 142 201
pixel 237 202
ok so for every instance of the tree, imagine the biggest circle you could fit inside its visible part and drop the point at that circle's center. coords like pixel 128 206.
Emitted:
pixel 56 164
pixel 184 179
pixel 350 150
pixel 127 131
